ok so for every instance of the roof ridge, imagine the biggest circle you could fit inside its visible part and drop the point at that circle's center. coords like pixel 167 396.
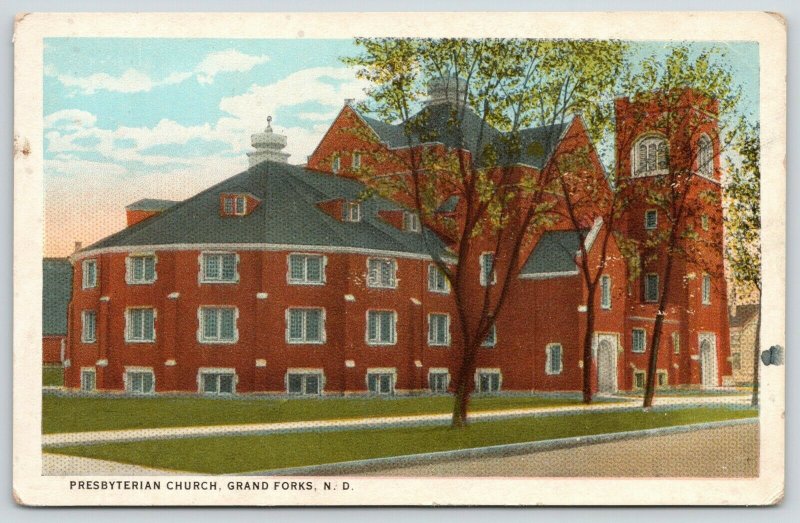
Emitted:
pixel 294 180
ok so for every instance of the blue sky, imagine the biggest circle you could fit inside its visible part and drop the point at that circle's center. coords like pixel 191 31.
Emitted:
pixel 165 118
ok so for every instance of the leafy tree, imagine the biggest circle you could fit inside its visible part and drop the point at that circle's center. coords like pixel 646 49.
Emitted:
pixel 743 221
pixel 477 153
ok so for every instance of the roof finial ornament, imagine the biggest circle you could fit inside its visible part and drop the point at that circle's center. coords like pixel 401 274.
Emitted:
pixel 269 122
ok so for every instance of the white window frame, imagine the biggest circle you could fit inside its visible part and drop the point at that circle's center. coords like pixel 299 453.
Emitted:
pixel 392 372
pixel 84 334
pixel 647 279
pixel 644 379
pixel 705 156
pixel 336 163
pixel 130 270
pixel 705 289
pixel 86 371
pixel 204 278
pixel 438 343
pixel 649 140
pixel 548 365
pixel 490 341
pixel 202 371
pixel 647 214
pixel 393 340
pixel 304 280
pixel 304 373
pixel 411 222
pixel 435 276
pixel 86 283
pixel 304 340
pixel 481 371
pixel 128 325
pixel 633 340
pixel 676 342
pixel 351 212
pixel 659 373
pixel 439 371
pixel 605 291
pixel 375 283
pixel 201 331
pixel 126 379
pixel 482 262
pixel 355 161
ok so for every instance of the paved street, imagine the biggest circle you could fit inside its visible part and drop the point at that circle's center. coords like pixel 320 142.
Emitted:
pixel 719 452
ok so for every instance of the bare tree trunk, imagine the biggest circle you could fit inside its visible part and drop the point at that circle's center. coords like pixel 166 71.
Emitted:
pixel 587 346
pixel 757 357
pixel 652 367
pixel 460 404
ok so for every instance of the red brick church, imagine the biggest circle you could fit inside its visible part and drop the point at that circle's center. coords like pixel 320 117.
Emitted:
pixel 282 279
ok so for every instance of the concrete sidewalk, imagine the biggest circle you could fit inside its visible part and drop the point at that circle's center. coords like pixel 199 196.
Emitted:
pixel 625 404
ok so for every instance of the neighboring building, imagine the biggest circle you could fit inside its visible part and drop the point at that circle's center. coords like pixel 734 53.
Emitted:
pixel 284 279
pixel 56 294
pixel 744 325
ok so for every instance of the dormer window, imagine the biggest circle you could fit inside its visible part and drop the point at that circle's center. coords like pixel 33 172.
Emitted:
pixel 356 161
pixel 650 156
pixel 705 156
pixel 351 212
pixel 234 204
pixel 410 222
pixel 336 163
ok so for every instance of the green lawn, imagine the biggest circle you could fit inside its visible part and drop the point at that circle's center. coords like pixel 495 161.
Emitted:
pixel 232 454
pixel 52 376
pixel 81 414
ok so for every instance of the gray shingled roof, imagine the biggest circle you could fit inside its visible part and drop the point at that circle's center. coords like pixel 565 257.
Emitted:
pixel 744 313
pixel 438 123
pixel 150 204
pixel 56 294
pixel 555 252
pixel 288 215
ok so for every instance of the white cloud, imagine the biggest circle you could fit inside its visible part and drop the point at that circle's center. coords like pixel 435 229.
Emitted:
pixel 229 60
pixel 71 119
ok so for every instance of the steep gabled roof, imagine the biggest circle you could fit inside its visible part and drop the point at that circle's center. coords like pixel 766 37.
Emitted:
pixel 744 313
pixel 437 123
pixel 288 215
pixel 554 253
pixel 56 294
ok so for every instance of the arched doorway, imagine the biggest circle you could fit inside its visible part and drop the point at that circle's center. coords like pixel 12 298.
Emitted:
pixel 606 363
pixel 708 360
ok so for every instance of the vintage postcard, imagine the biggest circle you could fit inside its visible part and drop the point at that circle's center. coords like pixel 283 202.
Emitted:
pixel 385 259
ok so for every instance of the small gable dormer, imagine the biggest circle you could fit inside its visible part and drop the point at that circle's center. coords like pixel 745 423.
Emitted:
pixel 237 204
pixel 342 210
pixel 403 220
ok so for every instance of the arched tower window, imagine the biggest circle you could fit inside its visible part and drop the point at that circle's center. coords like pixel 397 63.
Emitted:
pixel 705 156
pixel 650 156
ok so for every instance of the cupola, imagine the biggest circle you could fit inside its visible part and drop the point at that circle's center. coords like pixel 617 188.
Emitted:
pixel 267 146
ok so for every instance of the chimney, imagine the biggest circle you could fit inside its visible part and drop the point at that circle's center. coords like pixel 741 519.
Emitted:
pixel 267 146
pixel 449 89
pixel 78 246
pixel 146 208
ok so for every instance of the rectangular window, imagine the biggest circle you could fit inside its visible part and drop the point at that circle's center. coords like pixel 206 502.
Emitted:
pixel 139 382
pixel 706 290
pixel 488 274
pixel 704 222
pixel 88 380
pixel 351 212
pixel 336 163
pixel 305 326
pixel 241 205
pixel 736 361
pixel 228 205
pixel 380 382
pixel 554 365
pixel 650 219
pixel 218 382
pixel 488 382
pixel 218 325
pixel 676 342
pixel 491 337
pixel 381 327
pixel 141 269
pixel 89 274
pixel 219 267
pixel 356 161
pixel 304 383
pixel 140 325
pixel 438 329
pixel 605 291
pixel 437 281
pixel 438 381
pixel 89 327
pixel 306 269
pixel 639 379
pixel 662 378
pixel 638 340
pixel 651 287
pixel 410 222
pixel 381 273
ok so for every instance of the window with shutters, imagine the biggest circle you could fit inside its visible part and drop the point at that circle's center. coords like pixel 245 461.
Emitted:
pixel 140 269
pixel 219 267
pixel 381 327
pixel 140 325
pixel 381 273
pixel 218 324
pixel 305 325
pixel 306 269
